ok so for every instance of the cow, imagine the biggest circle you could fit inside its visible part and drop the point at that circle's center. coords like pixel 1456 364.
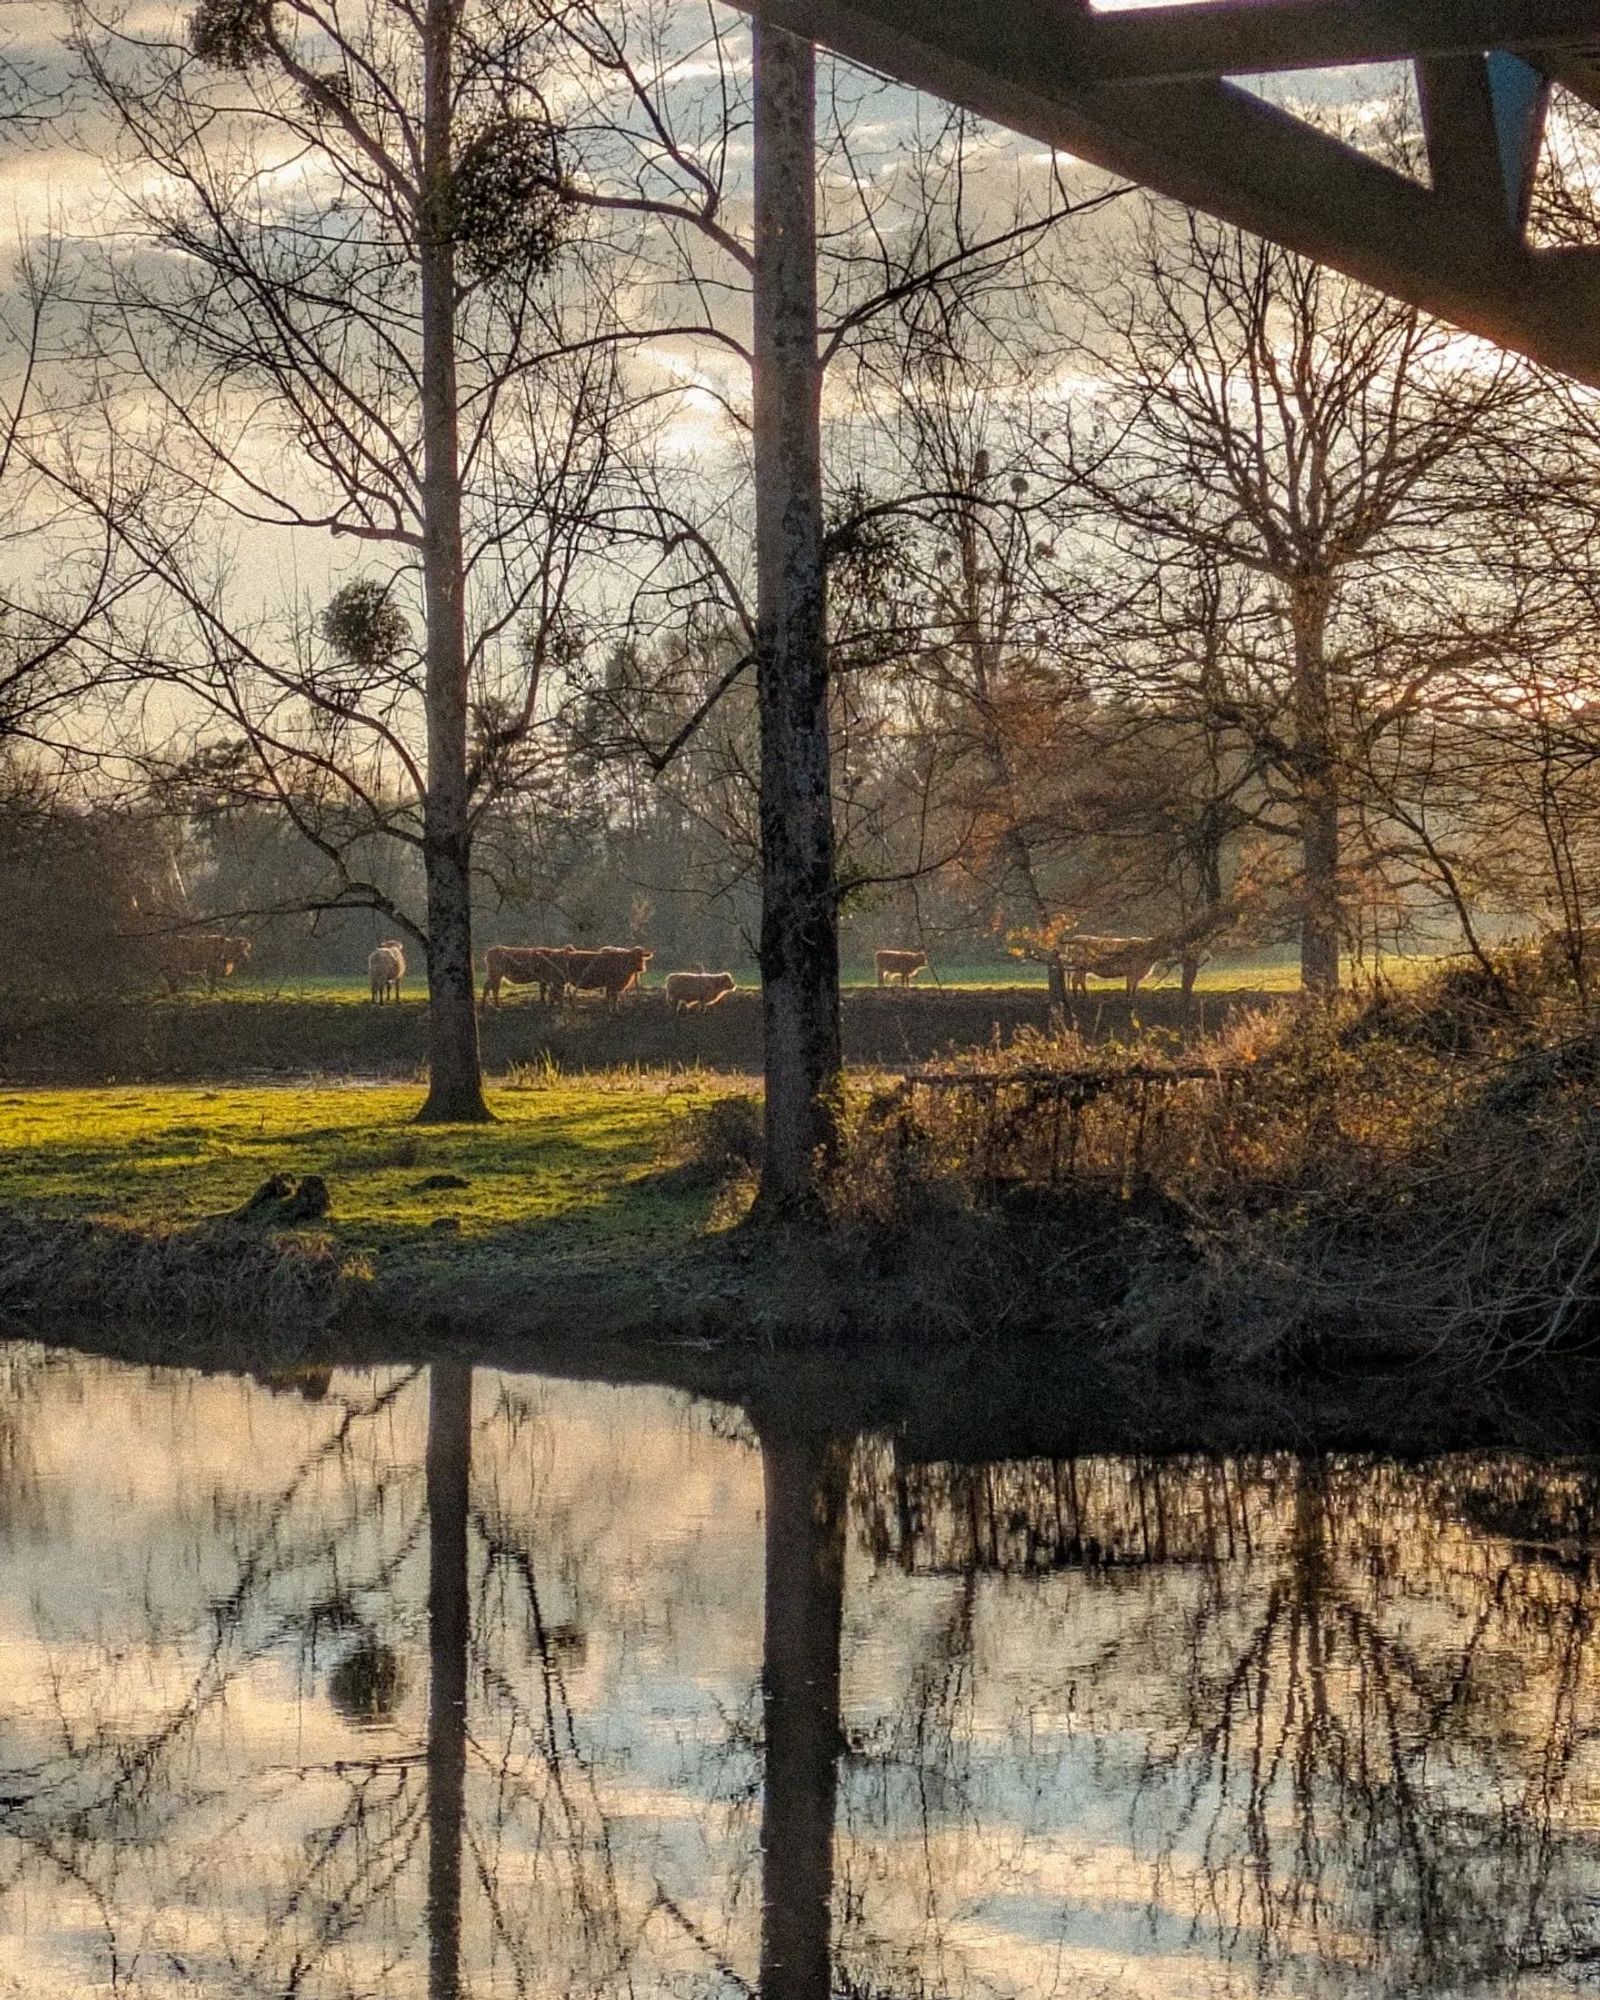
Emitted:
pixel 901 965
pixel 1130 959
pixel 611 969
pixel 549 967
pixel 206 957
pixel 386 967
pixel 695 992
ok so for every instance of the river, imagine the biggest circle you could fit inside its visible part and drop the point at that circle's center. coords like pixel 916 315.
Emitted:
pixel 446 1680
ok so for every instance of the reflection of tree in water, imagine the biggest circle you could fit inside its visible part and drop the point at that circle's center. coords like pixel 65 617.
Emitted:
pixel 475 1836
pixel 563 1911
pixel 25 1510
pixel 1368 1694
pixel 805 1478
pixel 1332 1721
pixel 132 1805
pixel 1378 1752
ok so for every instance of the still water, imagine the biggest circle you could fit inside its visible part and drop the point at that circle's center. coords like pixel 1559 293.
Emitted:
pixel 454 1682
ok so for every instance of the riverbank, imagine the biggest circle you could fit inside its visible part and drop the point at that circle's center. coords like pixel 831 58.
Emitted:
pixel 593 1209
pixel 1333 1191
pixel 311 1206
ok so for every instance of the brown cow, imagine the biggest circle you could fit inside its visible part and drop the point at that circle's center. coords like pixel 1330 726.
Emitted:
pixel 901 965
pixel 611 969
pixel 549 967
pixel 386 967
pixel 1130 959
pixel 691 992
pixel 186 960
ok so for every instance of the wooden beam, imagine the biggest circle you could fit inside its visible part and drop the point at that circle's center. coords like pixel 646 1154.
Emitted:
pixel 1220 149
pixel 1225 38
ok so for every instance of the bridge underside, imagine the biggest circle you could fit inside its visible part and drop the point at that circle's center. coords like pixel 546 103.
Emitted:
pixel 1145 94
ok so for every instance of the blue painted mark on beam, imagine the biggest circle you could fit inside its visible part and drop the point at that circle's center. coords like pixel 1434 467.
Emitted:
pixel 1517 96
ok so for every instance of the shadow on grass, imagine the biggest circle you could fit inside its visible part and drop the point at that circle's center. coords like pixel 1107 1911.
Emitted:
pixel 554 1188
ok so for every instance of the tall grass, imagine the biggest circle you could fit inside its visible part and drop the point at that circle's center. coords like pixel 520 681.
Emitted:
pixel 1417 1173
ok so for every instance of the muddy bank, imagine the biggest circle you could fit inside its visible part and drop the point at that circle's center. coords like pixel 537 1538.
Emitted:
pixel 246 1037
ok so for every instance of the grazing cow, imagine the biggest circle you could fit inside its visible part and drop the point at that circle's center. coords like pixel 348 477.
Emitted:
pixel 611 970
pixel 694 992
pixel 386 967
pixel 549 967
pixel 1130 959
pixel 901 965
pixel 207 958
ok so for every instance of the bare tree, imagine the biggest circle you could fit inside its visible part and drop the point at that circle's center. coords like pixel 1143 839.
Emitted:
pixel 841 251
pixel 1332 447
pixel 373 311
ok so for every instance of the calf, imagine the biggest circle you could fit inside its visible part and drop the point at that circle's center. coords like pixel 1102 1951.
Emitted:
pixel 691 992
pixel 901 965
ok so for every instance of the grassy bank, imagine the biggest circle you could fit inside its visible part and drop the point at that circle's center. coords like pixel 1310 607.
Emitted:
pixel 137 1192
pixel 1411 1177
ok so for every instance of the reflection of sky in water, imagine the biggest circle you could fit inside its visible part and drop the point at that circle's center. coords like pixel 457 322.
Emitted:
pixel 1325 1731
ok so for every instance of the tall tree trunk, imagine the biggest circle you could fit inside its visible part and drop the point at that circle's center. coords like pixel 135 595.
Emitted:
pixel 806 1482
pixel 449 1466
pixel 799 910
pixel 1317 772
pixel 455 1081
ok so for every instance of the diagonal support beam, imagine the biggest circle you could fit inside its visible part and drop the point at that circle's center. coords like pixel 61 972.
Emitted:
pixel 1217 148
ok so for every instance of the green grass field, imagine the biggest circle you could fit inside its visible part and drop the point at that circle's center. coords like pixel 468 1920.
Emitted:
pixel 1276 972
pixel 570 1171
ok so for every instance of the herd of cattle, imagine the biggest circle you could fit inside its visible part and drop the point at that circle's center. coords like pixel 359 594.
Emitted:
pixel 613 970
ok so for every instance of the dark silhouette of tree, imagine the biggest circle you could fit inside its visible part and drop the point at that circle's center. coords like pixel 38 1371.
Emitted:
pixel 449 1477
pixel 389 326
pixel 806 1480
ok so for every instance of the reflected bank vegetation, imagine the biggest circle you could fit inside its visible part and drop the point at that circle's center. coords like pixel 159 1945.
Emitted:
pixel 443 1681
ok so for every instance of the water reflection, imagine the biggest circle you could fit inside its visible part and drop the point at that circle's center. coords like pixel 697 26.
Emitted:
pixel 456 1683
pixel 806 1488
pixel 449 1501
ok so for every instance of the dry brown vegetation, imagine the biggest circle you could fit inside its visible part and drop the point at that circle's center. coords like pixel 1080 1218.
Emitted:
pixel 1412 1173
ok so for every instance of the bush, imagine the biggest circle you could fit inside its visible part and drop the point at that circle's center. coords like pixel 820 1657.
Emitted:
pixel 1417 1173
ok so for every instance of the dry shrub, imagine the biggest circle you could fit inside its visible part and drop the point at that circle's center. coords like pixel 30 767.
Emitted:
pixel 717 1146
pixel 1417 1173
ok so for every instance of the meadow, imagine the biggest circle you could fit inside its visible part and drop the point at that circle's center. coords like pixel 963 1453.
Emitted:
pixel 1264 972
pixel 570 1173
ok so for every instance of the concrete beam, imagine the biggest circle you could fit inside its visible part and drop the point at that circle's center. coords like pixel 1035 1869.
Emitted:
pixel 1217 148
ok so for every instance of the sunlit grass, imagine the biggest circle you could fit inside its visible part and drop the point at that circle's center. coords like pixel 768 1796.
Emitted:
pixel 1264 972
pixel 1261 972
pixel 570 1169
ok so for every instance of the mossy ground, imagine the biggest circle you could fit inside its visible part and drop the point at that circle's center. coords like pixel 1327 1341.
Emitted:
pixel 569 1175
